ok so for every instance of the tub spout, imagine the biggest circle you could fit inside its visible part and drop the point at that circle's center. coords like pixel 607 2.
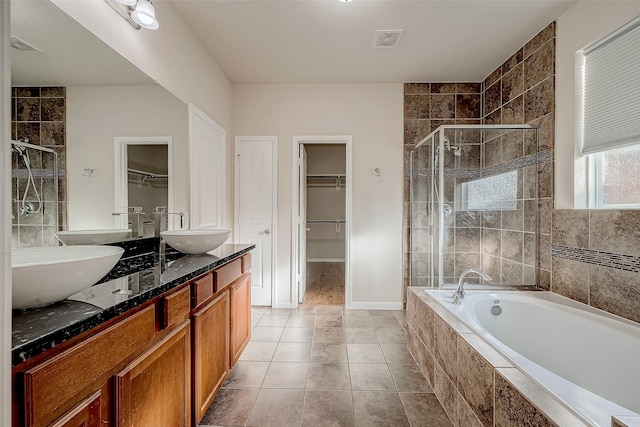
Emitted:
pixel 458 295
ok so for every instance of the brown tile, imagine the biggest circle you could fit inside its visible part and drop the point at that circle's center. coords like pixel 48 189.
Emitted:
pixel 545 209
pixel 540 39
pixel 329 335
pixel 544 279
pixel 53 92
pixel 365 353
pixel 475 382
pixel 417 89
pixel 492 98
pixel 416 107
pixel 540 65
pixel 511 272
pixel 409 378
pixel 425 325
pixel 514 60
pixel 468 88
pixel 615 291
pixel 544 251
pixel 529 249
pixel 376 408
pixel 493 77
pixel 329 376
pixel 493 153
pixel 28 109
pixel 328 408
pixel 467 240
pixel 446 392
pixel 29 130
pixel 465 261
pixel 545 180
pixel 423 409
pixel 571 228
pixel 539 100
pixel 53 109
pixel 435 124
pixel 467 106
pixel 512 219
pixel 512 143
pixel 26 92
pixel 247 374
pixel 512 245
pixel 328 353
pixel 466 417
pixel 546 134
pixel 423 358
pixel 443 88
pixel 491 242
pixel 416 130
pixel 52 133
pixel 511 408
pixel 616 231
pixel 571 279
pixel 370 376
pixel 494 118
pixel 277 408
pixel 231 407
pixel 445 345
pixel 512 84
pixel 442 106
pixel 470 158
pixel 513 112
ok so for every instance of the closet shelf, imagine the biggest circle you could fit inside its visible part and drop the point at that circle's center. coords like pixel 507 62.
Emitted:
pixel 327 176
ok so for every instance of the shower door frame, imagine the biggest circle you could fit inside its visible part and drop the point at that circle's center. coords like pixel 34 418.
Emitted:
pixel 439 132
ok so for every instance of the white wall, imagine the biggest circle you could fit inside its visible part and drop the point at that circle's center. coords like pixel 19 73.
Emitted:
pixel 373 115
pixel 581 25
pixel 5 219
pixel 171 55
pixel 97 114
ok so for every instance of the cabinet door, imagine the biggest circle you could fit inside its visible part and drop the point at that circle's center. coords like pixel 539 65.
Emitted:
pixel 154 389
pixel 210 352
pixel 240 316
pixel 86 414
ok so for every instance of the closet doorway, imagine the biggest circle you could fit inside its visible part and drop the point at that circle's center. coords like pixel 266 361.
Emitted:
pixel 322 206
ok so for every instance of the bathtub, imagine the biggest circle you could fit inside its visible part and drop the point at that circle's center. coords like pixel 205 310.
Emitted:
pixel 588 359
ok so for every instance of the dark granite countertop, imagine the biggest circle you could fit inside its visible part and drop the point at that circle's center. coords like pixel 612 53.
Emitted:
pixel 134 280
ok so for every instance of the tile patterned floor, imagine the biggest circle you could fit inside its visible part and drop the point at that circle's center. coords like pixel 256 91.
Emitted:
pixel 326 366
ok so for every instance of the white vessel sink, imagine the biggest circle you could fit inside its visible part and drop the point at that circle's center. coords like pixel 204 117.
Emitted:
pixel 49 274
pixel 92 237
pixel 195 241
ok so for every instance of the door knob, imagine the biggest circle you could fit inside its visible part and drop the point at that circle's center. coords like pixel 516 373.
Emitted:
pixel 267 231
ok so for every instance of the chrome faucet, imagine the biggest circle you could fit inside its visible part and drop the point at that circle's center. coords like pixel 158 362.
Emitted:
pixel 161 219
pixel 458 295
pixel 136 225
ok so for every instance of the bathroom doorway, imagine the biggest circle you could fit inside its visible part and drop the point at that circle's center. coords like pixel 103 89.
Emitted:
pixel 321 220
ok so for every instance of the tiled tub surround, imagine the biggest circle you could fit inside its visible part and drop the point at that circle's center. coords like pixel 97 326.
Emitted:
pixel 39 114
pixel 36 330
pixel 476 385
pixel 596 259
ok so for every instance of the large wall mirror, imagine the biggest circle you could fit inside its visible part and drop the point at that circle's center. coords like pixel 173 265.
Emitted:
pixel 74 94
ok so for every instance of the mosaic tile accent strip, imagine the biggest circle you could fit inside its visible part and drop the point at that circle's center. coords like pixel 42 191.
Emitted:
pixel 36 173
pixel 604 259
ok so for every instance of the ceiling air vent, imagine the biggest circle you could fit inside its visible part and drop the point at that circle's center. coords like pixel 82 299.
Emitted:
pixel 387 38
pixel 22 45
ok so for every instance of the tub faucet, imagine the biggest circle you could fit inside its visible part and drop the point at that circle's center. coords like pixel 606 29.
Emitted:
pixel 458 295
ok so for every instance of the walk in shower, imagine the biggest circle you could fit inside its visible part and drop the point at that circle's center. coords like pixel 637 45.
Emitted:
pixel 34 195
pixel 474 204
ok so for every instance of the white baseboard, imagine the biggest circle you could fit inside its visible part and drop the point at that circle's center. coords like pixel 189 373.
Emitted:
pixel 363 305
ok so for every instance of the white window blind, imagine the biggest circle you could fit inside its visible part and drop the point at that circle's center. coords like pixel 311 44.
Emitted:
pixel 610 98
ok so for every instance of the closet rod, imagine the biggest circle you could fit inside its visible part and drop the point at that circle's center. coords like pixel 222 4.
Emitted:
pixel 321 221
pixel 327 176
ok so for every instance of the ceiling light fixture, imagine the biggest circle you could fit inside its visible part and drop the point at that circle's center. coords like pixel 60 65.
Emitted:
pixel 145 15
pixel 138 13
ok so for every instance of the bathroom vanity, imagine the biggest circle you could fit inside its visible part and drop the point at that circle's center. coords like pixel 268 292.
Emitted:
pixel 151 347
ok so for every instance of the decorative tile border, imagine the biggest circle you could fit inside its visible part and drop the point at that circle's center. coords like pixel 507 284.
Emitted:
pixel 604 259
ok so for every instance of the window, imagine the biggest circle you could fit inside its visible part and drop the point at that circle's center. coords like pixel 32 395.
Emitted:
pixel 494 193
pixel 609 117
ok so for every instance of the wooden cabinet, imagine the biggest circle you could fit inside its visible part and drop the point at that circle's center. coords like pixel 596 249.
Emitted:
pixel 210 352
pixel 86 414
pixel 155 389
pixel 240 296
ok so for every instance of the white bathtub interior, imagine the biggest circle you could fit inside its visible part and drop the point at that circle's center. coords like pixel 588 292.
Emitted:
pixel 585 357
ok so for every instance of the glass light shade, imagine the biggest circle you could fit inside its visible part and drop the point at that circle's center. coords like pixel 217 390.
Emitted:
pixel 145 15
pixel 127 2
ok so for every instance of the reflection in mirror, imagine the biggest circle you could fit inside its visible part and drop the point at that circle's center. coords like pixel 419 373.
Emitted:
pixel 74 94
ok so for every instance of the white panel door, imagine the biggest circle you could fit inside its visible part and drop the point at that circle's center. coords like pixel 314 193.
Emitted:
pixel 254 210
pixel 302 225
pixel 207 142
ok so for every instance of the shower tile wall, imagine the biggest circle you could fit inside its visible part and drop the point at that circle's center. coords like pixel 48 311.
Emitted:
pixel 39 113
pixel 521 90
pixel 427 106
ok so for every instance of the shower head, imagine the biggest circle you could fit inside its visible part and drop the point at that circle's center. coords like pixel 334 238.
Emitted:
pixel 457 151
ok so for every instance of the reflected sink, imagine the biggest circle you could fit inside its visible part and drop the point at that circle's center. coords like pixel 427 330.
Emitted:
pixel 93 237
pixel 195 241
pixel 48 274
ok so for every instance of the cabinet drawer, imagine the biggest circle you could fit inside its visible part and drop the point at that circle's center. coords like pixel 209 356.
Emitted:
pixel 226 274
pixel 175 307
pixel 86 414
pixel 57 384
pixel 202 290
pixel 246 263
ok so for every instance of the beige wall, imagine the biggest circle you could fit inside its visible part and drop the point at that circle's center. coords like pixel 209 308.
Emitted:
pixel 583 24
pixel 97 114
pixel 372 114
